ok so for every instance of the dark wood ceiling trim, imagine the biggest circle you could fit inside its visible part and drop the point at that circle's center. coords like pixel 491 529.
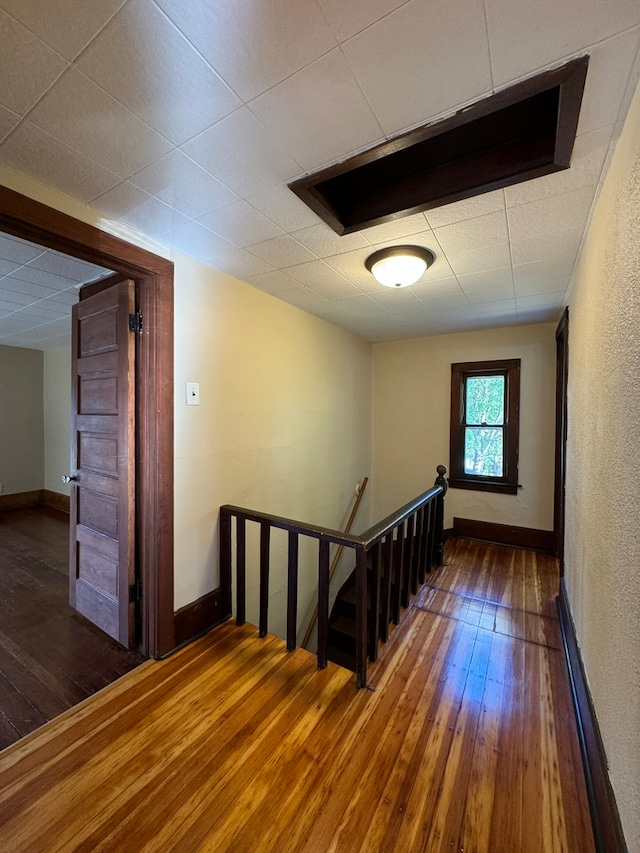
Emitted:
pixel 522 132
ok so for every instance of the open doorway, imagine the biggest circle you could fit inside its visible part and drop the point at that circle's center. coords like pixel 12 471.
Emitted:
pixel 153 281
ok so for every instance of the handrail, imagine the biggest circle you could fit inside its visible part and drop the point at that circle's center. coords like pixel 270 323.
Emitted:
pixel 404 545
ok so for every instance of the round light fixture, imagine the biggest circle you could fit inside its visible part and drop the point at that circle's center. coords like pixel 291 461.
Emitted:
pixel 399 266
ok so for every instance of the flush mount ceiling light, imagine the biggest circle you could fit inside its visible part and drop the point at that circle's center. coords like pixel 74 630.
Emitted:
pixel 399 266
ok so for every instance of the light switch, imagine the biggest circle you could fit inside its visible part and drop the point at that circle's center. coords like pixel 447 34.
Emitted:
pixel 193 393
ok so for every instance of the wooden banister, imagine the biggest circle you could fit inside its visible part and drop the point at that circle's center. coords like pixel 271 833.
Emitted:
pixel 397 551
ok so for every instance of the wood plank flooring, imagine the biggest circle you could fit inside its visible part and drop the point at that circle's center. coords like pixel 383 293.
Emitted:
pixel 467 744
pixel 50 658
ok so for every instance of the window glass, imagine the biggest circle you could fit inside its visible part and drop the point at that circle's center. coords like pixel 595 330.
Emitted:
pixel 484 400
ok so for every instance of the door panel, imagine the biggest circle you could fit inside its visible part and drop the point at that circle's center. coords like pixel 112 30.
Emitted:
pixel 102 543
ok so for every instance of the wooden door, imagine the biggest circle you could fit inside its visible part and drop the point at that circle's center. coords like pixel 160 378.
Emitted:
pixel 102 535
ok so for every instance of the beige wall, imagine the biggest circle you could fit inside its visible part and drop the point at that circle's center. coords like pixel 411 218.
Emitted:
pixel 603 487
pixel 21 420
pixel 411 413
pixel 57 411
pixel 283 425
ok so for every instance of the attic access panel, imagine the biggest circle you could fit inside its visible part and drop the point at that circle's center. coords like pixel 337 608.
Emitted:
pixel 517 134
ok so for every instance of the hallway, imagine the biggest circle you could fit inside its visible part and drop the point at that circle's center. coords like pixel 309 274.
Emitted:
pixel 467 743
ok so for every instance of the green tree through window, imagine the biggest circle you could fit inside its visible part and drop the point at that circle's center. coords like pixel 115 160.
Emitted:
pixel 484 425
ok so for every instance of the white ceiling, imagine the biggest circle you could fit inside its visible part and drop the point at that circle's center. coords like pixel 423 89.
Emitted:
pixel 186 120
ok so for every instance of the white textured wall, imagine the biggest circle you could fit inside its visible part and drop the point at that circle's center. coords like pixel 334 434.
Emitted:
pixel 603 485
pixel 21 420
pixel 57 418
pixel 411 414
pixel 283 425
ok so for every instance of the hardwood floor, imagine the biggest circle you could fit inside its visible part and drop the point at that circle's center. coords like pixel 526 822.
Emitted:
pixel 50 658
pixel 467 744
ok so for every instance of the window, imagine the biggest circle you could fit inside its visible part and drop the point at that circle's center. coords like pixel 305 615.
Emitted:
pixel 485 406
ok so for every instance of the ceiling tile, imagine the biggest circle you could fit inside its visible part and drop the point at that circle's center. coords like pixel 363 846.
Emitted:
pixel 281 252
pixel 71 268
pixel 543 276
pixel 589 153
pixel 22 52
pixel 8 120
pixel 419 36
pixel 283 207
pixel 20 251
pixel 351 266
pixel 323 279
pixel 485 280
pixel 242 224
pixel 44 278
pixel 239 263
pixel 488 230
pixel 319 114
pixel 565 212
pixel 7 267
pixel 458 211
pixel 84 116
pixel 396 229
pixel 556 245
pixel 146 63
pixel 179 182
pixel 347 19
pixel 253 45
pixel 195 240
pixel 54 163
pixel 28 288
pixel 242 154
pixel 66 25
pixel 324 242
pixel 479 297
pixel 610 66
pixel 443 306
pixel 494 307
pixel 541 300
pixel 131 205
pixel 67 297
pixel 481 259
pixel 363 306
pixel 552 29
pixel 440 287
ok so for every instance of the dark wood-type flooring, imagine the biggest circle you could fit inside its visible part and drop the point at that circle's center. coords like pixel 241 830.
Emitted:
pixel 467 744
pixel 50 658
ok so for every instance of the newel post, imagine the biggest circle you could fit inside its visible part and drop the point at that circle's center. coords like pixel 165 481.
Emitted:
pixel 438 539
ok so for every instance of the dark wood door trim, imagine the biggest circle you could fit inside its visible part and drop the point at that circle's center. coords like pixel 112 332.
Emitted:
pixel 562 376
pixel 23 217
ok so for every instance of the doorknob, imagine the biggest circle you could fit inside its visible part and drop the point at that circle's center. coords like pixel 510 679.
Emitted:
pixel 67 479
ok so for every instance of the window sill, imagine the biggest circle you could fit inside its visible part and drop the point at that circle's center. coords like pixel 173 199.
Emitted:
pixel 483 486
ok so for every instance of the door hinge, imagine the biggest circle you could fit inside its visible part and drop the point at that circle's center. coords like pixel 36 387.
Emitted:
pixel 135 591
pixel 135 322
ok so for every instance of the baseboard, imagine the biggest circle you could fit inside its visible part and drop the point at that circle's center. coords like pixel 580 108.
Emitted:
pixel 21 500
pixel 200 616
pixel 607 829
pixel 504 534
pixel 56 500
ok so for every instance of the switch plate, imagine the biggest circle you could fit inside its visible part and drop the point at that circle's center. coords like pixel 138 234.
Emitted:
pixel 193 393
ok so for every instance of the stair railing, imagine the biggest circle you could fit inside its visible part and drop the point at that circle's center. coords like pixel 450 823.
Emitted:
pixel 405 546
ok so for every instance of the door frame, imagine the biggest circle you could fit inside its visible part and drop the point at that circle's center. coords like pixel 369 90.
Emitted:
pixel 562 379
pixel 31 220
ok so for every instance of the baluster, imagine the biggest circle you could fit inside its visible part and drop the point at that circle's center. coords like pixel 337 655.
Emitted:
pixel 225 549
pixel 265 536
pixel 398 571
pixel 419 548
pixel 361 618
pixel 374 609
pixel 323 602
pixel 292 592
pixel 430 538
pixel 438 547
pixel 241 569
pixel 387 547
pixel 406 561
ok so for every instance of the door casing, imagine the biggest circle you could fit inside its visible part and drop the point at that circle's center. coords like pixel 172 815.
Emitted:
pixel 31 220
